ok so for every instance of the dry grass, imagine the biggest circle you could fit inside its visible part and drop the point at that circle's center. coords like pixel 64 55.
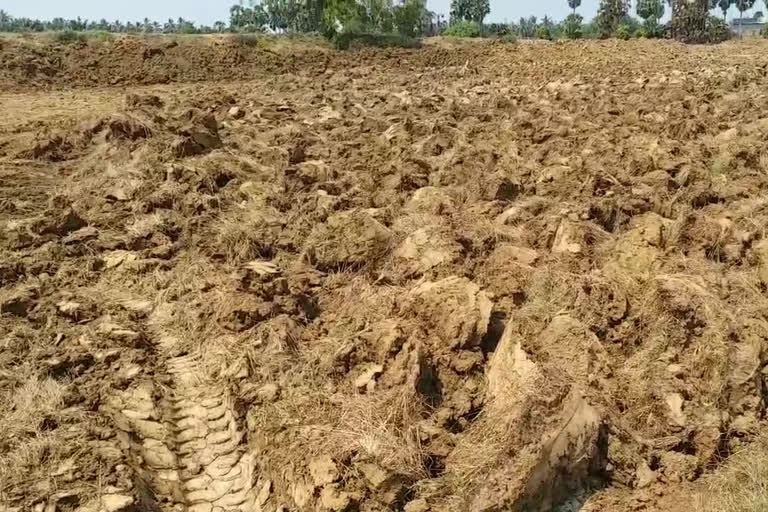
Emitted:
pixel 30 404
pixel 34 455
pixel 488 441
pixel 27 447
pixel 247 232
pixel 381 428
pixel 233 213
pixel 145 225
pixel 741 484
pixel 251 40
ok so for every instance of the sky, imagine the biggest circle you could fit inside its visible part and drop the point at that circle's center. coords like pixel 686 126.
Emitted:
pixel 208 11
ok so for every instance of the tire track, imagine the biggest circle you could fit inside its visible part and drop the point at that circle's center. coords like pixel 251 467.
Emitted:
pixel 186 441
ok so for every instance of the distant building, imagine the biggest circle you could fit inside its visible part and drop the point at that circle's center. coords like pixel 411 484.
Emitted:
pixel 748 26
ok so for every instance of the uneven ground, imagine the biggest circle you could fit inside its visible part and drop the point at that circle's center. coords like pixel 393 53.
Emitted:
pixel 478 277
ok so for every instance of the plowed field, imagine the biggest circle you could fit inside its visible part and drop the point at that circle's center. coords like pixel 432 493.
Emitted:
pixel 476 277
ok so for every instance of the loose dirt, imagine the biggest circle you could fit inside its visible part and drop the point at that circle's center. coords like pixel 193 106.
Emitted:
pixel 468 277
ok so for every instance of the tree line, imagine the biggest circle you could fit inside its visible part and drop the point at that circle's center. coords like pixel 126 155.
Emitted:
pixel 330 17
pixel 9 23
pixel 691 20
pixel 411 18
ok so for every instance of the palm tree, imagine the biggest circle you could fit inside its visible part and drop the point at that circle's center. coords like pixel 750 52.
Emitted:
pixel 724 5
pixel 573 4
pixel 743 5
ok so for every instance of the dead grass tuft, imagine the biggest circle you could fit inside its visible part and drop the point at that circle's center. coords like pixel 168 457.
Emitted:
pixel 27 451
pixel 247 232
pixel 382 429
pixel 34 454
pixel 741 484
pixel 30 404
pixel 481 450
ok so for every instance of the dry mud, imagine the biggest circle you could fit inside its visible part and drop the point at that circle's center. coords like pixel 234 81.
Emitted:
pixel 480 277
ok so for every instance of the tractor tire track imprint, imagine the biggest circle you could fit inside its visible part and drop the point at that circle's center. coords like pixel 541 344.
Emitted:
pixel 187 441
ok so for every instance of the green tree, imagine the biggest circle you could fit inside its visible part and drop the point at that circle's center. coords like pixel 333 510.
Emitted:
pixel 245 19
pixel 544 32
pixel 528 26
pixel 651 12
pixel 470 10
pixel 572 26
pixel 463 28
pixel 307 15
pixel 186 27
pixel 344 16
pixel 236 16
pixel 609 16
pixel 724 5
pixel 281 14
pixel 411 17
pixel 650 9
pixel 378 15
pixel 574 4
pixel 692 23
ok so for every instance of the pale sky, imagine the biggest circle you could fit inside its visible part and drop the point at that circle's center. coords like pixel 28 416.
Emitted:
pixel 208 11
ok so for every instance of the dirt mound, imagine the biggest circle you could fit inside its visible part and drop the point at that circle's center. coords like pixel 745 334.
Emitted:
pixel 198 134
pixel 463 309
pixel 127 60
pixel 131 60
pixel 347 240
pixel 492 277
pixel 539 441
pixel 194 132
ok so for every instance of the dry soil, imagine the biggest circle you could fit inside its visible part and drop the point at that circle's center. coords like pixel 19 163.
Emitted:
pixel 474 277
